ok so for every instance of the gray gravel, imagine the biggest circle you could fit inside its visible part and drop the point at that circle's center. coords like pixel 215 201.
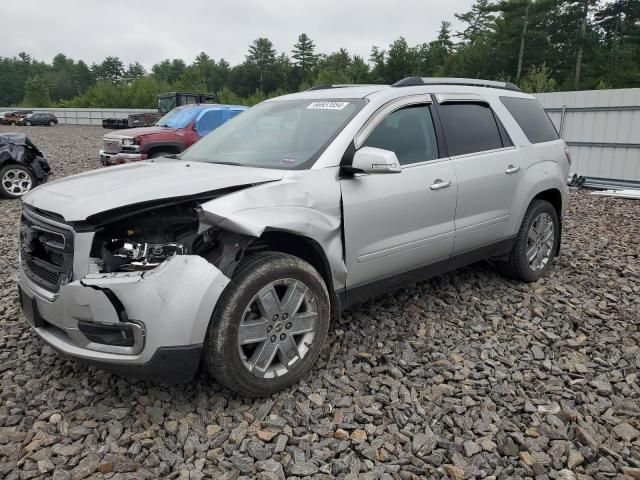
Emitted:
pixel 469 375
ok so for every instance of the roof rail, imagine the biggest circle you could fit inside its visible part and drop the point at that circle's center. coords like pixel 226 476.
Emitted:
pixel 326 86
pixel 472 82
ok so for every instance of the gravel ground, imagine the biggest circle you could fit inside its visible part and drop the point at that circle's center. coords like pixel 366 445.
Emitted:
pixel 469 375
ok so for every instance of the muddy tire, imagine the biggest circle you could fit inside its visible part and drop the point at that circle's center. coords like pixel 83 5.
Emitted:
pixel 269 325
pixel 536 243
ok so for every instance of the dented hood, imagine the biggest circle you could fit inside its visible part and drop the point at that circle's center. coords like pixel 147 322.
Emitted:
pixel 80 196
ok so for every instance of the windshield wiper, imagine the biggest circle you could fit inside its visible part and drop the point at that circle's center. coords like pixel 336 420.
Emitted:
pixel 226 163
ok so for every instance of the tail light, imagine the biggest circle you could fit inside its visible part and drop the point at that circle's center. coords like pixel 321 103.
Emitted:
pixel 567 154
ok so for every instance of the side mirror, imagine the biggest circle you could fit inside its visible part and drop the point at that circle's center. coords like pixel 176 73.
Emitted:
pixel 375 160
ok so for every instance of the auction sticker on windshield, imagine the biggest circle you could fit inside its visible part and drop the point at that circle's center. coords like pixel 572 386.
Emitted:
pixel 327 105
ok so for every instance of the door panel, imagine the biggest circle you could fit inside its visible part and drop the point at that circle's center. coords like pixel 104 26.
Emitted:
pixel 395 223
pixel 486 196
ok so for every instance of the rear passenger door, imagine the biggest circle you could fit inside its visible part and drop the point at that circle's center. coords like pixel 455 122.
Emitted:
pixel 487 170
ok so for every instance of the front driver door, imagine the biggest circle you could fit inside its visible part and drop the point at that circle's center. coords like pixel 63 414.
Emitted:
pixel 396 223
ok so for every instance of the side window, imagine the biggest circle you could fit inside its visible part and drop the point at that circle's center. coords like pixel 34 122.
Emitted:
pixel 532 118
pixel 409 133
pixel 209 121
pixel 469 128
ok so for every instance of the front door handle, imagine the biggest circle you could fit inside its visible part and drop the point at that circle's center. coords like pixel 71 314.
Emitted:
pixel 511 169
pixel 439 184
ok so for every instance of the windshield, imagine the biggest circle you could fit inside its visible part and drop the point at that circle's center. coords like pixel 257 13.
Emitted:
pixel 285 134
pixel 178 118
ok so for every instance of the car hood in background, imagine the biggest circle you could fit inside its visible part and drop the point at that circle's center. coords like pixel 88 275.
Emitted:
pixel 80 196
pixel 139 132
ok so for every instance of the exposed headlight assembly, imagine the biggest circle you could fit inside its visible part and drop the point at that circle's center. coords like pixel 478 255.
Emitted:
pixel 128 141
pixel 133 256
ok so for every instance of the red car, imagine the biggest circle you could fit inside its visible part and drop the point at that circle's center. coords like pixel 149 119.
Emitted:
pixel 176 131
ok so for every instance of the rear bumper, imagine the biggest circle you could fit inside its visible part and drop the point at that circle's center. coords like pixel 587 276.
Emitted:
pixel 107 159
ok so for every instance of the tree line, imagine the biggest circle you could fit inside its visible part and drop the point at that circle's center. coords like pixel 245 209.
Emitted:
pixel 541 45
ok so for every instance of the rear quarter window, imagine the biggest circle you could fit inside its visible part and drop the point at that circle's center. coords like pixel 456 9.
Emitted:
pixel 533 120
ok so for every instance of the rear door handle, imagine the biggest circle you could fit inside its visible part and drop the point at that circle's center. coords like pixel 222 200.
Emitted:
pixel 439 185
pixel 511 169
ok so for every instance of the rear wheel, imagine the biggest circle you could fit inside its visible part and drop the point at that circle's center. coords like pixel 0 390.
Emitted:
pixel 269 325
pixel 27 123
pixel 536 243
pixel 15 181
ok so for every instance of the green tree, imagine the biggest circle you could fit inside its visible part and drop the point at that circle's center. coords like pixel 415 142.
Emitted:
pixel 135 71
pixel 36 93
pixel 480 21
pixel 262 56
pixel 538 80
pixel 111 69
pixel 304 56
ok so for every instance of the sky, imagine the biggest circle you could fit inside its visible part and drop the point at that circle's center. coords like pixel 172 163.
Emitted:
pixel 149 31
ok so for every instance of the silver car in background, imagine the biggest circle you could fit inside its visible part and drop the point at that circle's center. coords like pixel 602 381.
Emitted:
pixel 241 250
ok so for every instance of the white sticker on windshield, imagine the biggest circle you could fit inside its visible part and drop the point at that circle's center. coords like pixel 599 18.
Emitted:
pixel 327 105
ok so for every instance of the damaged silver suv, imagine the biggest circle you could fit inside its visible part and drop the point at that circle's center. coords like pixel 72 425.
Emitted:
pixel 239 251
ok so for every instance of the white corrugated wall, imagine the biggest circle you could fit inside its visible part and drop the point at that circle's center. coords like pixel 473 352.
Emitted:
pixel 602 128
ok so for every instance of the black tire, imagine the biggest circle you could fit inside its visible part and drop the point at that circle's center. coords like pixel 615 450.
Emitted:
pixel 51 123
pixel 517 266
pixel 27 123
pixel 159 154
pixel 222 354
pixel 5 189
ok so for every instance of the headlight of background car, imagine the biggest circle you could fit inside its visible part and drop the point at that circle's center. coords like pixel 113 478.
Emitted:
pixel 131 256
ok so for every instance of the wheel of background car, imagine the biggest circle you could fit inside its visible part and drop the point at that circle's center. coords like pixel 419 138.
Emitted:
pixel 27 123
pixel 269 325
pixel 536 243
pixel 51 123
pixel 159 154
pixel 15 181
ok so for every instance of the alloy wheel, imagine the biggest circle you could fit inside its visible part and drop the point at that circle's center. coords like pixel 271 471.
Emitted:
pixel 16 182
pixel 540 241
pixel 277 328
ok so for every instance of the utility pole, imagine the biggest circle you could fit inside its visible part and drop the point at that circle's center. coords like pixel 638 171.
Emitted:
pixel 583 31
pixel 524 32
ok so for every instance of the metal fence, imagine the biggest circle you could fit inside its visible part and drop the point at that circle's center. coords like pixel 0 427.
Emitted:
pixel 602 129
pixel 84 116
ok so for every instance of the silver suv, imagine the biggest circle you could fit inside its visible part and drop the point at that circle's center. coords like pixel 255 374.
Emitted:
pixel 241 250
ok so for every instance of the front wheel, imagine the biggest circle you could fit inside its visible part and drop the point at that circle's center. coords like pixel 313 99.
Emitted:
pixel 15 181
pixel 51 123
pixel 536 243
pixel 269 325
pixel 27 123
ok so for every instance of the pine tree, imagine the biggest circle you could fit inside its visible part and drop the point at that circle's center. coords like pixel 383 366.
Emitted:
pixel 262 55
pixel 480 20
pixel 304 56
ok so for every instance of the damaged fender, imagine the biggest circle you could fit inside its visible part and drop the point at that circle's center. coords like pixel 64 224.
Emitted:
pixel 307 205
pixel 17 148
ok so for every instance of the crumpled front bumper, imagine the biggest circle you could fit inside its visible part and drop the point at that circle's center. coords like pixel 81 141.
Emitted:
pixel 166 311
pixel 107 159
